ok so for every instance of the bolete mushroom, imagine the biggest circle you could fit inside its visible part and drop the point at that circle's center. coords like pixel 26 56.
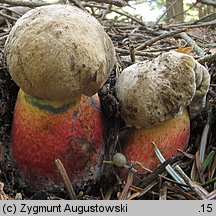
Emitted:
pixel 59 56
pixel 153 91
pixel 154 96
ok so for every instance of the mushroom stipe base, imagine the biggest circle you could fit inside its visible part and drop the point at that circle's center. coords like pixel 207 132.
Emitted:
pixel 74 136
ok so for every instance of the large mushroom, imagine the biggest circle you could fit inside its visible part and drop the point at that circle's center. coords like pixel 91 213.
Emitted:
pixel 59 56
pixel 154 96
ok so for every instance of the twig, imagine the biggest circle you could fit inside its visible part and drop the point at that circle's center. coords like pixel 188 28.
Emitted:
pixel 32 3
pixel 203 18
pixel 78 4
pixel 208 2
pixel 192 43
pixel 138 53
pixel 119 3
pixel 164 13
pixel 65 179
pixel 207 58
pixel 190 183
pixel 147 188
pixel 160 169
pixel 182 12
pixel 3 37
pixel 162 36
pixel 7 16
pixel 116 11
pixel 10 10
pixel 180 191
pixel 162 49
pixel 191 25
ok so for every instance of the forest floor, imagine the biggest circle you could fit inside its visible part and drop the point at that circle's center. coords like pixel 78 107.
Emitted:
pixel 134 41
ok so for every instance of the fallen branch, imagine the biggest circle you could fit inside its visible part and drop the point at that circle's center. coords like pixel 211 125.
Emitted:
pixel 138 53
pixel 192 43
pixel 119 3
pixel 191 25
pixel 207 58
pixel 208 2
pixel 190 183
pixel 7 16
pixel 118 12
pixel 162 36
pixel 32 3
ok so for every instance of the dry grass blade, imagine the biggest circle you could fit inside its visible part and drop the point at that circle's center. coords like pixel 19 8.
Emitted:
pixel 65 179
pixel 193 171
pixel 176 190
pixel 212 195
pixel 199 168
pixel 133 196
pixel 212 169
pixel 124 193
pixel 191 184
pixel 190 156
pixel 147 188
pixel 169 169
pixel 204 137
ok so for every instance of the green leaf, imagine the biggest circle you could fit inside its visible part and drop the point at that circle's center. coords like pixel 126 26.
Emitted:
pixel 208 160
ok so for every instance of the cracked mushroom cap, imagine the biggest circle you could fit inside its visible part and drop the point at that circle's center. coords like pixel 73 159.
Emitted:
pixel 58 52
pixel 153 91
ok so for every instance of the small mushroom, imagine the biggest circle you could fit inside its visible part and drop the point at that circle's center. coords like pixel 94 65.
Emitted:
pixel 58 55
pixel 151 92
pixel 154 96
pixel 57 52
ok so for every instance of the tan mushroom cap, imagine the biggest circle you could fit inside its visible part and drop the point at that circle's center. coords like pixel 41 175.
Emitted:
pixel 58 52
pixel 151 92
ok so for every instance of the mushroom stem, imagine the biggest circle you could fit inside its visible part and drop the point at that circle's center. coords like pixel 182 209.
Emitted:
pixel 71 132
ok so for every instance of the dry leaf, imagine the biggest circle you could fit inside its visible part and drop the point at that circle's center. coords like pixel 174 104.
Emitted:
pixel 185 50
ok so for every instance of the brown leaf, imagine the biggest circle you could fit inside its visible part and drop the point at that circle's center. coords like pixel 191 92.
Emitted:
pixel 186 50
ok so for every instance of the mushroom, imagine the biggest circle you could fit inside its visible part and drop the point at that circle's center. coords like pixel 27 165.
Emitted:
pixel 151 92
pixel 59 56
pixel 58 52
pixel 154 96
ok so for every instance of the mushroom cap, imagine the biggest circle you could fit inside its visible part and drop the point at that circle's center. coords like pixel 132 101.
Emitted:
pixel 153 91
pixel 57 52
